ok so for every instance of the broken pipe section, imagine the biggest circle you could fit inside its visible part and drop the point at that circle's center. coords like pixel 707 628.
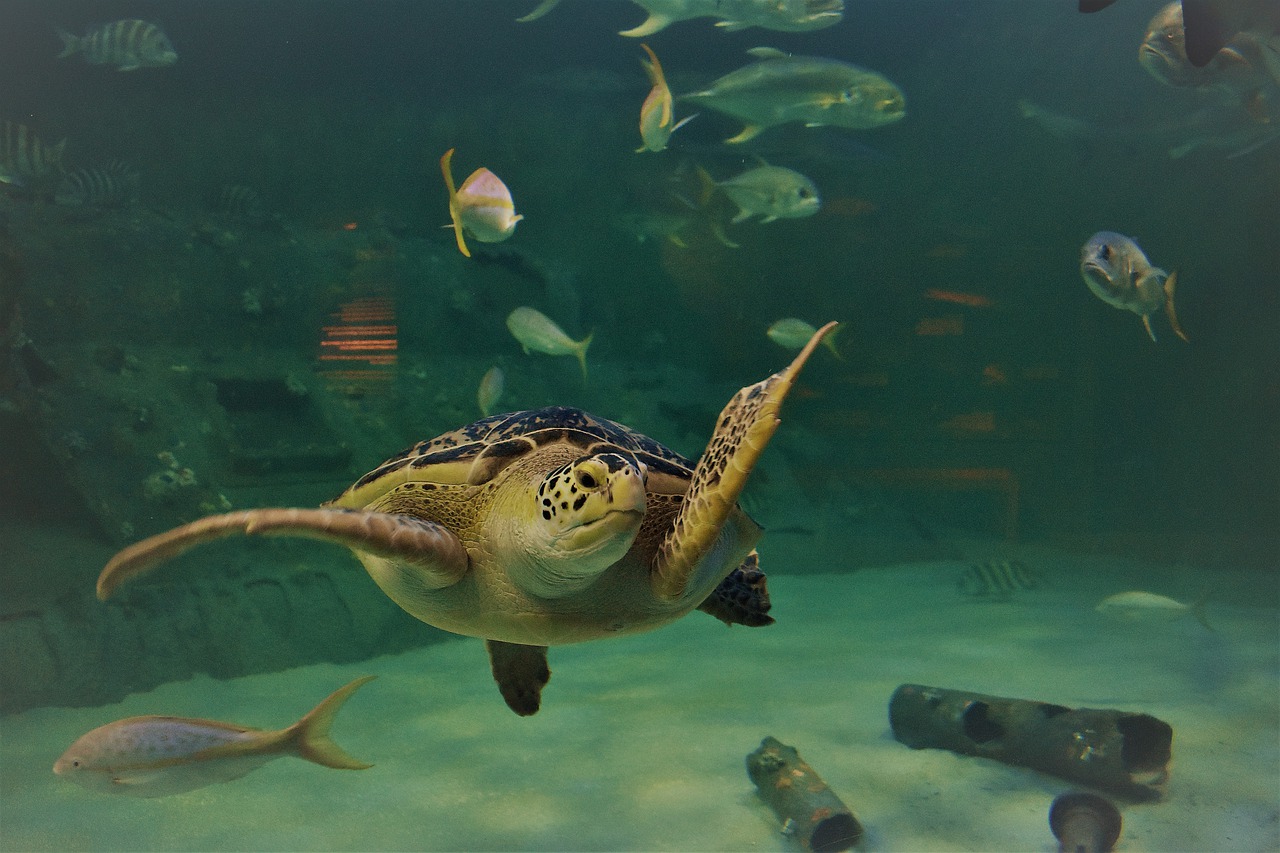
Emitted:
pixel 810 814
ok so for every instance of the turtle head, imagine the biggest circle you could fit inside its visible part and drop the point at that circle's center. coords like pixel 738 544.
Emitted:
pixel 586 515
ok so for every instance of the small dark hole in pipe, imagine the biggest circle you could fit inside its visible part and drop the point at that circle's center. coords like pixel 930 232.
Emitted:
pixel 978 727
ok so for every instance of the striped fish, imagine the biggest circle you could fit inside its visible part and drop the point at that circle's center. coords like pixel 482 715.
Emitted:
pixel 997 579
pixel 114 184
pixel 23 157
pixel 128 45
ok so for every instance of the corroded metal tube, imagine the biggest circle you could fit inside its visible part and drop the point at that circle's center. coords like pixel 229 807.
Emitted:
pixel 810 813
pixel 1117 751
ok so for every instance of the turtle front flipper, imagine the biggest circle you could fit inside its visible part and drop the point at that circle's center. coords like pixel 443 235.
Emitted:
pixel 742 431
pixel 521 672
pixel 436 554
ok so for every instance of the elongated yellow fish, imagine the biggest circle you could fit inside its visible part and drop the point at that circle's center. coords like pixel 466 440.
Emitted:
pixel 158 756
pixel 482 206
pixel 536 332
pixel 657 118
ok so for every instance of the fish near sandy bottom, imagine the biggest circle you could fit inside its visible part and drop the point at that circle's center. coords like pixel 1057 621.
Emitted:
pixel 815 91
pixel 1118 273
pixel 771 192
pixel 998 580
pixel 128 45
pixel 482 206
pixel 1150 607
pixel 540 528
pixel 156 756
pixel 537 332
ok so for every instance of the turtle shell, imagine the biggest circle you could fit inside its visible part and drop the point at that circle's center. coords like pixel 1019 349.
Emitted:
pixel 476 453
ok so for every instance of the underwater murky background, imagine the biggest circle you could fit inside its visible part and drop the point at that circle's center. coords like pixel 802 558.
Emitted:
pixel 169 358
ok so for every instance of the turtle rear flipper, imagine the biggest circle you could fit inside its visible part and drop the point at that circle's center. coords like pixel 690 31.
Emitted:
pixel 436 553
pixel 742 431
pixel 521 672
pixel 743 597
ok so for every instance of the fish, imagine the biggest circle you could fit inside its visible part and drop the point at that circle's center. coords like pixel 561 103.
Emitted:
pixel 24 157
pixel 536 332
pixel 816 91
pixel 959 297
pixel 793 333
pixel 1210 25
pixel 156 756
pixel 1142 606
pixel 1057 125
pixel 490 391
pixel 128 45
pixel 1118 273
pixel 114 184
pixel 998 580
pixel 771 192
pixel 541 9
pixel 1238 71
pixel 482 206
pixel 734 15
pixel 657 118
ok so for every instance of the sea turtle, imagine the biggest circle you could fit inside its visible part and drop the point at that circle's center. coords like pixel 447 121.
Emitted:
pixel 540 528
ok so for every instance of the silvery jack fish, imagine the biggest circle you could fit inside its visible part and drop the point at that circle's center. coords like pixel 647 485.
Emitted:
pixel 1142 606
pixel 537 332
pixel 158 756
pixel 1119 274
pixel 128 45
pixel 482 206
pixel 784 15
pixel 780 88
pixel 771 192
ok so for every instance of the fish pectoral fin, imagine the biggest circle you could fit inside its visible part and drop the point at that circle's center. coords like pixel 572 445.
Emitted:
pixel 1146 324
pixel 742 214
pixel 1170 286
pixel 769 218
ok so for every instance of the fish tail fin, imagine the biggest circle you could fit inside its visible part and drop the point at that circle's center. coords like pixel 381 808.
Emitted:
pixel 446 167
pixel 1171 285
pixel 70 43
pixel 751 131
pixel 1197 610
pixel 650 26
pixel 310 735
pixel 581 352
pixel 653 67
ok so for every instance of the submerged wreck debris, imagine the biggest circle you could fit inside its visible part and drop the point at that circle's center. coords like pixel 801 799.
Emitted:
pixel 1118 751
pixel 1084 822
pixel 811 814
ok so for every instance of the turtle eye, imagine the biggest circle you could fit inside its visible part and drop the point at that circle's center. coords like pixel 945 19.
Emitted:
pixel 586 480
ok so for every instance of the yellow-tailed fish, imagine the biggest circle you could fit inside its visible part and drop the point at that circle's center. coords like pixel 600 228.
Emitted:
pixel 536 332
pixel 657 118
pixel 793 333
pixel 159 756
pixel 482 206
pixel 490 390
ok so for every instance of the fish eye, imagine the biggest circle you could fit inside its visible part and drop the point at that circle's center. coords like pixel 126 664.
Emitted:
pixel 1105 252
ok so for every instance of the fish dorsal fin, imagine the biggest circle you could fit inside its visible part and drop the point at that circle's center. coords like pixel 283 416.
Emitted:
pixel 446 166
pixel 767 53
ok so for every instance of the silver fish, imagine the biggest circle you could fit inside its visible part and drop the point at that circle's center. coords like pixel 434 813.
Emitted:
pixel 536 332
pixel 128 45
pixel 1143 606
pixel 782 15
pixel 781 88
pixel 1209 25
pixel 114 184
pixel 771 192
pixel 998 579
pixel 490 391
pixel 159 756
pixel 1118 273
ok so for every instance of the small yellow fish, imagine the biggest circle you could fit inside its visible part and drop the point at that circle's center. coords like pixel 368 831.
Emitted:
pixel 656 115
pixel 490 390
pixel 792 333
pixel 538 333
pixel 159 756
pixel 482 206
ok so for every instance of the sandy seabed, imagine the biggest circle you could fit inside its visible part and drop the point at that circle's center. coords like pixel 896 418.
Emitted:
pixel 641 741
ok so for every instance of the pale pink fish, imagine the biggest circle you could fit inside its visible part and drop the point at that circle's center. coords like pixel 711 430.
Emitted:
pixel 482 206
pixel 657 119
pixel 159 756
